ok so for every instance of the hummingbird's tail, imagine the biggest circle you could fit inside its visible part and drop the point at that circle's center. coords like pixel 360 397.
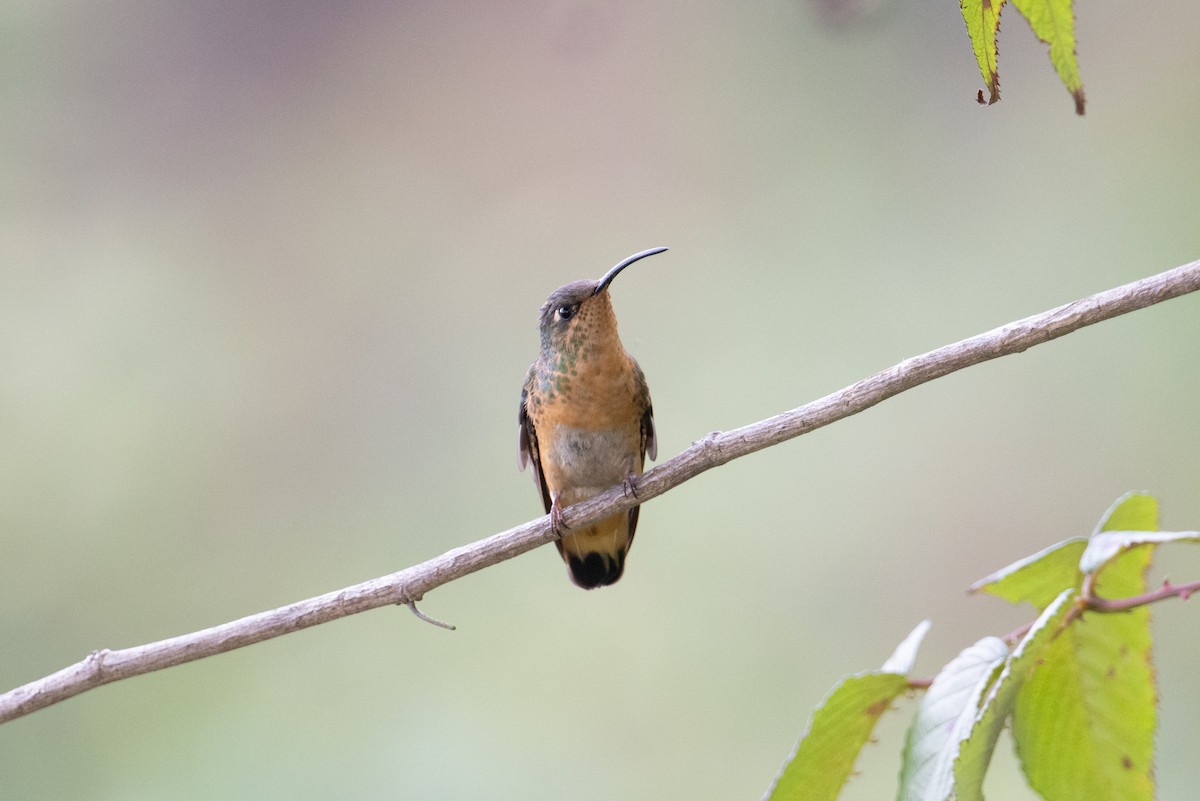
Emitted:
pixel 595 556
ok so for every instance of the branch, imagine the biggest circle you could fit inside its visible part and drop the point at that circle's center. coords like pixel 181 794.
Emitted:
pixel 410 585
pixel 1167 590
pixel 1088 601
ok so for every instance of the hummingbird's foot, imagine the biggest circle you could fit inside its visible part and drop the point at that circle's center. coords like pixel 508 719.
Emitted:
pixel 556 519
pixel 629 487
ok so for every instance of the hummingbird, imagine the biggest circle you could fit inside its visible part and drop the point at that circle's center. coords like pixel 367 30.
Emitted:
pixel 586 422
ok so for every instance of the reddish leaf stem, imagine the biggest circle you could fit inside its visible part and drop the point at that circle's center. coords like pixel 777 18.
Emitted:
pixel 1167 590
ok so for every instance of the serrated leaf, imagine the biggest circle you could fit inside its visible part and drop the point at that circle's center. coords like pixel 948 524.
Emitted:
pixel 1053 21
pixel 905 656
pixel 976 750
pixel 944 719
pixel 1108 544
pixel 983 26
pixel 1084 722
pixel 1037 579
pixel 824 757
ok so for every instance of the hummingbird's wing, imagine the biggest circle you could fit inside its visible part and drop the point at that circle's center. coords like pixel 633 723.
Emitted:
pixel 528 453
pixel 649 438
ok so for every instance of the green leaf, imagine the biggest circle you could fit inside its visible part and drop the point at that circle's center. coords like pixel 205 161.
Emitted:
pixel 1133 511
pixel 945 718
pixel 1037 579
pixel 983 26
pixel 905 656
pixel 1107 545
pixel 840 726
pixel 1084 722
pixel 824 757
pixel 976 751
pixel 1053 21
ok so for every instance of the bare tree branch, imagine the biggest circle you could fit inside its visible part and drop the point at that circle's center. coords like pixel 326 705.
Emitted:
pixel 409 585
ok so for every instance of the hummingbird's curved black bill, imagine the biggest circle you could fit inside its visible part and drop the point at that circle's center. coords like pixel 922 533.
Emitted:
pixel 611 274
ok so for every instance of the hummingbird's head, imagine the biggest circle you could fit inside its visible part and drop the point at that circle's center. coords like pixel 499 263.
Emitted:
pixel 581 308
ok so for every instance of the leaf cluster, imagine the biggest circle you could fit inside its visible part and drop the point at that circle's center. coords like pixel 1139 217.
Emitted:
pixel 1076 686
pixel 1052 21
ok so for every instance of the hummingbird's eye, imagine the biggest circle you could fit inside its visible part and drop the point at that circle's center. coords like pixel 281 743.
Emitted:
pixel 566 311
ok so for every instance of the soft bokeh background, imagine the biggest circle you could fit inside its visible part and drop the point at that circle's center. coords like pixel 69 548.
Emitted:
pixel 268 282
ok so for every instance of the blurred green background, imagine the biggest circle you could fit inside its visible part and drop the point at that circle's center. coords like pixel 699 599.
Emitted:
pixel 269 275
